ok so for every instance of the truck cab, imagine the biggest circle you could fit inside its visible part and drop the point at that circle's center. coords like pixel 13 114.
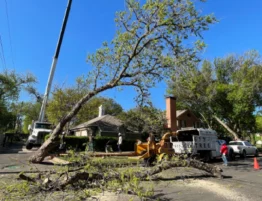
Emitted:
pixel 38 131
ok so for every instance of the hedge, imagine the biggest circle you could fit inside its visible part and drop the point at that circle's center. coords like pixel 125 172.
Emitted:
pixel 79 143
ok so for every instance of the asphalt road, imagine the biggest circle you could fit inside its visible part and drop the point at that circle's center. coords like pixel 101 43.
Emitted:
pixel 241 181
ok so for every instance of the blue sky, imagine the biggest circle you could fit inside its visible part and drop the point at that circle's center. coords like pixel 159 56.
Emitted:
pixel 35 26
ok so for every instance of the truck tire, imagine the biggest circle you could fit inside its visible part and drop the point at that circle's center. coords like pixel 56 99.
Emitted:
pixel 207 157
pixel 29 146
pixel 244 154
pixel 256 154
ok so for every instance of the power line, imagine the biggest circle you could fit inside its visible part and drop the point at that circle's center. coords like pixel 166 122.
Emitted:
pixel 3 55
pixel 9 32
pixel 1 58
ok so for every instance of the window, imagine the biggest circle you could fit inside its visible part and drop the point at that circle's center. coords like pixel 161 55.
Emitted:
pixel 247 144
pixel 236 143
pixel 44 126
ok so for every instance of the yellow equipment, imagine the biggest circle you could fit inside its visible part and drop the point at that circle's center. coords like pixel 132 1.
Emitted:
pixel 149 150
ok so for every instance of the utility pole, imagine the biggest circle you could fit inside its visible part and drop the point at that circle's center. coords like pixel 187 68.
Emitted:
pixel 54 62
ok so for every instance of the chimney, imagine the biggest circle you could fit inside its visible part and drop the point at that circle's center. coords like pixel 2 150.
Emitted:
pixel 171 113
pixel 101 111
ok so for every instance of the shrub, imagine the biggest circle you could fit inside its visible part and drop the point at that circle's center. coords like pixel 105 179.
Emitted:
pixel 74 142
pixel 80 142
pixel 100 143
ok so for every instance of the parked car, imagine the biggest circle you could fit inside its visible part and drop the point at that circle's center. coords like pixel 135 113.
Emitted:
pixel 230 155
pixel 243 148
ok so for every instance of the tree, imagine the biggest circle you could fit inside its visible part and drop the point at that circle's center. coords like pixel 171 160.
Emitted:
pixel 63 99
pixel 258 123
pixel 144 120
pixel 11 85
pixel 150 42
pixel 30 112
pixel 226 91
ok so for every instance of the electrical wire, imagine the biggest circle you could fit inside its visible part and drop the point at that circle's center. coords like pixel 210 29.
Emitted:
pixel 9 32
pixel 3 55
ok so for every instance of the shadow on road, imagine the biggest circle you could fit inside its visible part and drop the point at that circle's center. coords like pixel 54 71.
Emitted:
pixel 182 177
pixel 238 164
pixel 13 148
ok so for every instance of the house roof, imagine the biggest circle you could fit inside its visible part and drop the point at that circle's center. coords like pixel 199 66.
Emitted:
pixel 180 112
pixel 105 123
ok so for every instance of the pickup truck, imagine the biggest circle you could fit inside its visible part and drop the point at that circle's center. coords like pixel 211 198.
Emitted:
pixel 243 148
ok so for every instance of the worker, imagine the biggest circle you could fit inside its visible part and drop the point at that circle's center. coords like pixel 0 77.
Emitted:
pixel 223 151
pixel 151 138
pixel 138 141
pixel 91 143
pixel 120 141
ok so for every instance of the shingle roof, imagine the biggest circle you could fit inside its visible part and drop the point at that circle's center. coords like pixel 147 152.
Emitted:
pixel 105 123
pixel 180 112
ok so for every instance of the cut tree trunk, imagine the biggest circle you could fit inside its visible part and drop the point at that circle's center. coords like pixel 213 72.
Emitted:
pixel 62 182
pixel 49 145
pixel 203 116
pixel 235 135
pixel 52 141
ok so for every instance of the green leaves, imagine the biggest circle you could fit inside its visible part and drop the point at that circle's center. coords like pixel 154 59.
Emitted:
pixel 150 42
pixel 64 99
pixel 144 120
pixel 11 84
pixel 229 88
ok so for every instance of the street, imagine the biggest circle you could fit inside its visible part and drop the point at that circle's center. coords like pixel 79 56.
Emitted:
pixel 241 181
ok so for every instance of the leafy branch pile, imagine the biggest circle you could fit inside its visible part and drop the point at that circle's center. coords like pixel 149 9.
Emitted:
pixel 89 177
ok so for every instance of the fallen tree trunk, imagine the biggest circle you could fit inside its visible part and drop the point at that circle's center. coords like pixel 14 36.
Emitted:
pixel 62 182
pixel 211 169
pixel 234 134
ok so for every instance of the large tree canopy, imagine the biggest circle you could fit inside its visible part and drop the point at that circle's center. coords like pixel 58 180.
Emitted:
pixel 227 90
pixel 144 120
pixel 63 99
pixel 151 40
pixel 11 85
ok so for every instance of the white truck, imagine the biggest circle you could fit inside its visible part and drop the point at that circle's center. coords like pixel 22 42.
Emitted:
pixel 197 141
pixel 38 131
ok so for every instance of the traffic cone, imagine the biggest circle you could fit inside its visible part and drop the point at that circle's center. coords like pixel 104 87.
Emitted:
pixel 256 165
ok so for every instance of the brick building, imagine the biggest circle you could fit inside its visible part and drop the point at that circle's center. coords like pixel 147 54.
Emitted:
pixel 177 119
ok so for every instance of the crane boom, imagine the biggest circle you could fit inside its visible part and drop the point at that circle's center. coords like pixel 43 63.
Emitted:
pixel 54 62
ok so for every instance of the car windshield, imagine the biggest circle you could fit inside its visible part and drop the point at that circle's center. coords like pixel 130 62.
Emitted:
pixel 248 144
pixel 220 142
pixel 42 125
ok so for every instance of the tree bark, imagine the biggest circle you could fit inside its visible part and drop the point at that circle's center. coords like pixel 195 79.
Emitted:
pixel 62 182
pixel 234 134
pixel 205 120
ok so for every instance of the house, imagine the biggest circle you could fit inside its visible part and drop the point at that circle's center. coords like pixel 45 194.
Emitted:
pixel 104 125
pixel 177 119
